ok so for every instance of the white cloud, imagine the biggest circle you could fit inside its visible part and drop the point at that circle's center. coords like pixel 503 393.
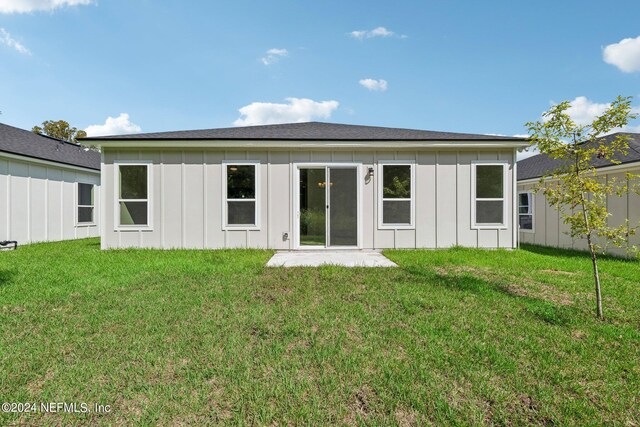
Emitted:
pixel 26 6
pixel 376 32
pixel 294 110
pixel 274 55
pixel 6 39
pixel 625 54
pixel 120 125
pixel 583 111
pixel 373 84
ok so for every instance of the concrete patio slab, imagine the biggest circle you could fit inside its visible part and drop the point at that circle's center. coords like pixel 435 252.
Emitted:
pixel 339 258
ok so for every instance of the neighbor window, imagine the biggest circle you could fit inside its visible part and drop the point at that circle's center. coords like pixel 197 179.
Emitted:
pixel 525 211
pixel 489 195
pixel 396 195
pixel 85 203
pixel 133 195
pixel 241 195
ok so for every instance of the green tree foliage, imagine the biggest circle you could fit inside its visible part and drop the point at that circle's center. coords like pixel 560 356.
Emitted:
pixel 574 188
pixel 59 129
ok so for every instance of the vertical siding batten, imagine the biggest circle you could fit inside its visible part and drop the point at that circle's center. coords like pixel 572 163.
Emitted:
pixel 457 195
pixel 437 194
pixel 29 218
pixel 204 201
pixel 183 208
pixel 162 207
pixel 9 203
pixel 46 204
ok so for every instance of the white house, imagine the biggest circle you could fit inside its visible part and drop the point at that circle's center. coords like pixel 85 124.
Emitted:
pixel 308 186
pixel 49 189
pixel 541 224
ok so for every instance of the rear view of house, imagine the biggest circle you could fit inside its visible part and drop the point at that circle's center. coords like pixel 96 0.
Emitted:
pixel 49 189
pixel 308 186
pixel 541 224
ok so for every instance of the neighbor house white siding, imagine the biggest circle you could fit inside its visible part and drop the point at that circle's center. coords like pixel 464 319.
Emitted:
pixel 186 198
pixel 38 201
pixel 550 230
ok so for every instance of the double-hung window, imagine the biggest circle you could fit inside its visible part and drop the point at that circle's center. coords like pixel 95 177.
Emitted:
pixel 241 188
pixel 525 211
pixel 85 204
pixel 133 189
pixel 488 187
pixel 396 194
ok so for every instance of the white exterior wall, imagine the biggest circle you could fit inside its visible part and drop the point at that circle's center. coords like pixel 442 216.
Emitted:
pixel 549 229
pixel 38 201
pixel 186 199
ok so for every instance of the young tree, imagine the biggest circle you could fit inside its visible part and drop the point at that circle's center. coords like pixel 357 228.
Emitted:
pixel 575 189
pixel 59 129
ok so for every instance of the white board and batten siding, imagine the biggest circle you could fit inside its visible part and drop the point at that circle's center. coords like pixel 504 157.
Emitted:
pixel 186 198
pixel 38 201
pixel 548 226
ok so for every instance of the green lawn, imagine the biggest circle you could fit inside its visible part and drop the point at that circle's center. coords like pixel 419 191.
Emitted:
pixel 196 337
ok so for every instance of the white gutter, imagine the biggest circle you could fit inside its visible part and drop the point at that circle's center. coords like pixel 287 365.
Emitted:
pixel 302 144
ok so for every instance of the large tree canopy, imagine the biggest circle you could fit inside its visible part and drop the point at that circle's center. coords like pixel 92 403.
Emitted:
pixel 59 129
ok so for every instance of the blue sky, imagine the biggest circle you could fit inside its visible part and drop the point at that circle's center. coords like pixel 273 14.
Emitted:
pixel 481 67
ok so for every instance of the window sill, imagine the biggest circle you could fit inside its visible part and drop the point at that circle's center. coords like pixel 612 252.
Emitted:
pixel 241 228
pixel 86 224
pixel 133 228
pixel 489 227
pixel 527 231
pixel 396 227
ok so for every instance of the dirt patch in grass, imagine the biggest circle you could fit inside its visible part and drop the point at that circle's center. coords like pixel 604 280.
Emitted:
pixel 407 417
pixel 514 285
pixel 577 334
pixel 362 405
pixel 456 270
pixel 36 386
pixel 554 271
pixel 533 289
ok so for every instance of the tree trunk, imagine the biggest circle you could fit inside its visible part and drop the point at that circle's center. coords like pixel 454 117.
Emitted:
pixel 596 277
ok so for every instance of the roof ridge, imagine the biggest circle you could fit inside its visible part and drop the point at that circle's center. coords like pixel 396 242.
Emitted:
pixel 307 131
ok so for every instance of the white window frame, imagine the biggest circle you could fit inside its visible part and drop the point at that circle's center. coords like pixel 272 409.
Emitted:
pixel 256 165
pixel 91 223
pixel 149 199
pixel 531 212
pixel 381 199
pixel 503 199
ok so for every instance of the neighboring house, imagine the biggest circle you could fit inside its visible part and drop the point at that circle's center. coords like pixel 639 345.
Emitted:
pixel 49 189
pixel 308 186
pixel 541 224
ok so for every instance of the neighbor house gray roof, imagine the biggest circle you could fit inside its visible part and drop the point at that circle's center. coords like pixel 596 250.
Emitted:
pixel 541 164
pixel 25 143
pixel 309 131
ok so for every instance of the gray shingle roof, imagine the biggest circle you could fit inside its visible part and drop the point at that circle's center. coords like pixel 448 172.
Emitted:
pixel 541 164
pixel 309 131
pixel 25 143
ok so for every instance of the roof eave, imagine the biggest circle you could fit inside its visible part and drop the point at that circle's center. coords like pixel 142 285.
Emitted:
pixel 301 143
pixel 56 163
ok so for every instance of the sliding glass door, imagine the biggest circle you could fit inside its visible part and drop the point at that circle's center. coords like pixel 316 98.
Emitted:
pixel 328 206
pixel 343 206
pixel 313 207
